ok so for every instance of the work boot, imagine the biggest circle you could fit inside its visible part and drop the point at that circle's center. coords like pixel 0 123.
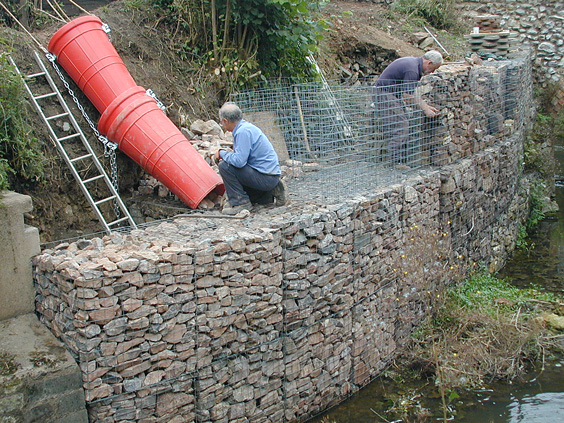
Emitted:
pixel 233 210
pixel 279 193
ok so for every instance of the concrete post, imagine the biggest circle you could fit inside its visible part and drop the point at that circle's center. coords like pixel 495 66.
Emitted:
pixel 18 243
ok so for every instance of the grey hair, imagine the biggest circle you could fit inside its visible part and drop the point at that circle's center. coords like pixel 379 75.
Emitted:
pixel 435 57
pixel 231 112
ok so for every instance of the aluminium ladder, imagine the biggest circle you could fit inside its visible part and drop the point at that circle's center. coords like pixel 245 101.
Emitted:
pixel 80 157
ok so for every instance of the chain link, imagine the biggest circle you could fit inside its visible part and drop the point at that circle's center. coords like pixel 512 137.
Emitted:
pixel 152 94
pixel 109 147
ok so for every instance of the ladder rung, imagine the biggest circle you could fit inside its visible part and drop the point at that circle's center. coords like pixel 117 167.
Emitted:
pixel 39 97
pixel 35 75
pixel 70 162
pixel 115 222
pixel 76 159
pixel 57 116
pixel 95 178
pixel 69 137
pixel 105 200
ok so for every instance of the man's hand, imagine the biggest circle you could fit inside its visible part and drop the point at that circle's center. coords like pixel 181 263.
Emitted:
pixel 215 153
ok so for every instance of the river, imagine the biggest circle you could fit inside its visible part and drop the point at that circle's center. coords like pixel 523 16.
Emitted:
pixel 538 398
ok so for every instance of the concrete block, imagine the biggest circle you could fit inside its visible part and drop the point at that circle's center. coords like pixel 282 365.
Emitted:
pixel 18 243
pixel 45 383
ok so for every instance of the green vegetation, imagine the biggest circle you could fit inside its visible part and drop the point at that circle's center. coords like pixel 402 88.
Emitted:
pixel 242 42
pixel 20 154
pixel 486 329
pixel 539 163
pixel 439 13
pixel 492 296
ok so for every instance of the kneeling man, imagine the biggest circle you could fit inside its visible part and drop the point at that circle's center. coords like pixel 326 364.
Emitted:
pixel 251 173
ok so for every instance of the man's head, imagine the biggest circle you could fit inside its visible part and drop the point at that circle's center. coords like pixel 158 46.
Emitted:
pixel 229 115
pixel 431 61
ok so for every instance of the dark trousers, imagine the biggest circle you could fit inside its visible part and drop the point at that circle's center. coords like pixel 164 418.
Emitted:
pixel 245 184
pixel 395 125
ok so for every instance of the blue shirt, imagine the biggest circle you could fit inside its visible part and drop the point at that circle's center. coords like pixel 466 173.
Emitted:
pixel 401 75
pixel 251 147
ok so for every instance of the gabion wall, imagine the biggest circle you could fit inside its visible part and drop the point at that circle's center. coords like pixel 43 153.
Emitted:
pixel 333 144
pixel 278 316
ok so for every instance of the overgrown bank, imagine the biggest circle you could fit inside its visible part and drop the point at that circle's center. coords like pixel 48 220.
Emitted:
pixel 485 332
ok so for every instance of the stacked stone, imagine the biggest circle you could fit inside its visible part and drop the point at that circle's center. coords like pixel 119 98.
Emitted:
pixel 488 23
pixel 518 102
pixel 487 84
pixel 539 24
pixel 452 94
pixel 475 192
pixel 239 327
pixel 495 43
pixel 489 38
pixel 143 316
pixel 277 317
pixel 164 327
pixel 318 280
pixel 128 318
pixel 343 280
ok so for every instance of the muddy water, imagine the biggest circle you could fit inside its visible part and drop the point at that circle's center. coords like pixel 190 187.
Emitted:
pixel 539 398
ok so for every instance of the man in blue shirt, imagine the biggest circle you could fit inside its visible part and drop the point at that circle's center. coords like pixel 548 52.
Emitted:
pixel 394 90
pixel 251 173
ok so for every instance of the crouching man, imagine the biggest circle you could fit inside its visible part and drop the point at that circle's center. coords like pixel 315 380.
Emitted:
pixel 251 173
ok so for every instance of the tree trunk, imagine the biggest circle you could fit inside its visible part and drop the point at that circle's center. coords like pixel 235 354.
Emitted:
pixel 214 29
pixel 226 27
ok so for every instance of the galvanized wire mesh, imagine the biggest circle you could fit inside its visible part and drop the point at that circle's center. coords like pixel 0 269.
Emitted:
pixel 337 141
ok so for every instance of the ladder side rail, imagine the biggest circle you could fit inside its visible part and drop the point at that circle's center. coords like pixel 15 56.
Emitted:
pixel 113 190
pixel 60 148
pixel 87 145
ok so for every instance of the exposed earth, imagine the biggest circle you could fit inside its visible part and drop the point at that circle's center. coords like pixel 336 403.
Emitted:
pixel 364 38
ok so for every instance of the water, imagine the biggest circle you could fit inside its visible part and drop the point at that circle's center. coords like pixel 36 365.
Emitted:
pixel 538 398
pixel 544 264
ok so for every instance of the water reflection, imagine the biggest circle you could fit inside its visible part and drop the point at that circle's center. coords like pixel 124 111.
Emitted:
pixel 539 400
pixel 544 265
pixel 539 408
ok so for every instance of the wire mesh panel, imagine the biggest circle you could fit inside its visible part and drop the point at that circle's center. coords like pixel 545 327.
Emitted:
pixel 343 140
pixel 338 141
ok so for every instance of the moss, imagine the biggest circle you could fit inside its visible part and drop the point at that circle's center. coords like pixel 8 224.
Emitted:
pixel 8 364
pixel 41 358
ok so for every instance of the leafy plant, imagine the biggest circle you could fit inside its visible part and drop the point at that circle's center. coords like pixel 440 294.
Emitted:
pixel 439 13
pixel 486 329
pixel 537 194
pixel 487 293
pixel 20 153
pixel 522 242
pixel 242 42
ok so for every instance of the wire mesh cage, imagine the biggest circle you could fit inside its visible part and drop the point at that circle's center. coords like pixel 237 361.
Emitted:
pixel 338 141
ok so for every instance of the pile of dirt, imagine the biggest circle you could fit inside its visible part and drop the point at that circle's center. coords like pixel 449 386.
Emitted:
pixel 365 37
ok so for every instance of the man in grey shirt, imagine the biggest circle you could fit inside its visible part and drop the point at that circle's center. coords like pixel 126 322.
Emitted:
pixel 394 90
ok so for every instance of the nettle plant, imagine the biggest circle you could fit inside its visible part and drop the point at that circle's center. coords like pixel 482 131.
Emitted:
pixel 20 154
pixel 241 42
